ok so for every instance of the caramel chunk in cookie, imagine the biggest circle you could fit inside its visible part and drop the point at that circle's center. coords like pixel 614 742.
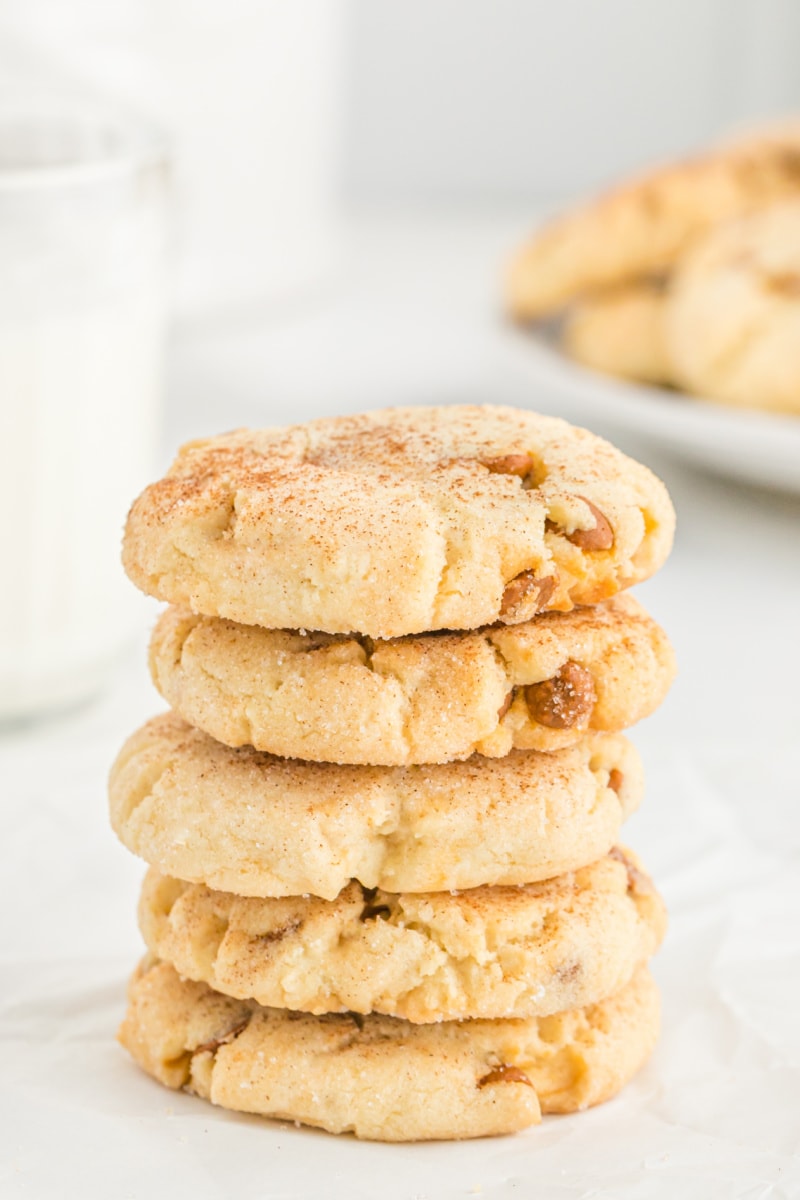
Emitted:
pixel 600 537
pixel 510 464
pixel 504 1074
pixel 563 701
pixel 525 596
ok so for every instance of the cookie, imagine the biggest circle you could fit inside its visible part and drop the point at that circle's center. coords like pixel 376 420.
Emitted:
pixel 620 331
pixel 398 522
pixel 733 318
pixel 380 1077
pixel 642 227
pixel 782 132
pixel 245 822
pixel 489 952
pixel 425 699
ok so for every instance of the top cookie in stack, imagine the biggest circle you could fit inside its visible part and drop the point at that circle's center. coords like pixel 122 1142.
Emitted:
pixel 398 522
pixel 383 596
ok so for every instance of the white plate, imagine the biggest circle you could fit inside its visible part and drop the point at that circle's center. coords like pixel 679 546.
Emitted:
pixel 761 448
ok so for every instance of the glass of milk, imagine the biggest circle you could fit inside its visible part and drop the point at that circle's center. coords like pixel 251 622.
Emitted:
pixel 82 316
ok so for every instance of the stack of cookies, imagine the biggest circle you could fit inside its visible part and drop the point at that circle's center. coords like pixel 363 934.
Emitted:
pixel 385 892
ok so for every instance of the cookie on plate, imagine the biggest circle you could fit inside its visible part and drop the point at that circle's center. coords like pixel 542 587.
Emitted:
pixel 398 522
pixel 380 1077
pixel 643 226
pixel 248 823
pixel 620 331
pixel 733 318
pixel 489 952
pixel 424 699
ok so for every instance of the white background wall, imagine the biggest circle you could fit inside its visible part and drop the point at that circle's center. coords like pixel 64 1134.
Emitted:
pixel 475 100
pixel 249 93
pixel 281 109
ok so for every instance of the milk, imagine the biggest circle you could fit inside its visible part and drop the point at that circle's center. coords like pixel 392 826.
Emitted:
pixel 82 316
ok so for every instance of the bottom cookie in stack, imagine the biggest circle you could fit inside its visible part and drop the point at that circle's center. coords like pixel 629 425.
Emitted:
pixel 504 1002
pixel 380 1077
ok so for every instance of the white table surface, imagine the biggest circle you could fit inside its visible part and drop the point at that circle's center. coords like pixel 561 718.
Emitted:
pixel 717 1111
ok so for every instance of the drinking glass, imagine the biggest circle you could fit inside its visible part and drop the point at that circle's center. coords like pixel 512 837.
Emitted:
pixel 83 231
